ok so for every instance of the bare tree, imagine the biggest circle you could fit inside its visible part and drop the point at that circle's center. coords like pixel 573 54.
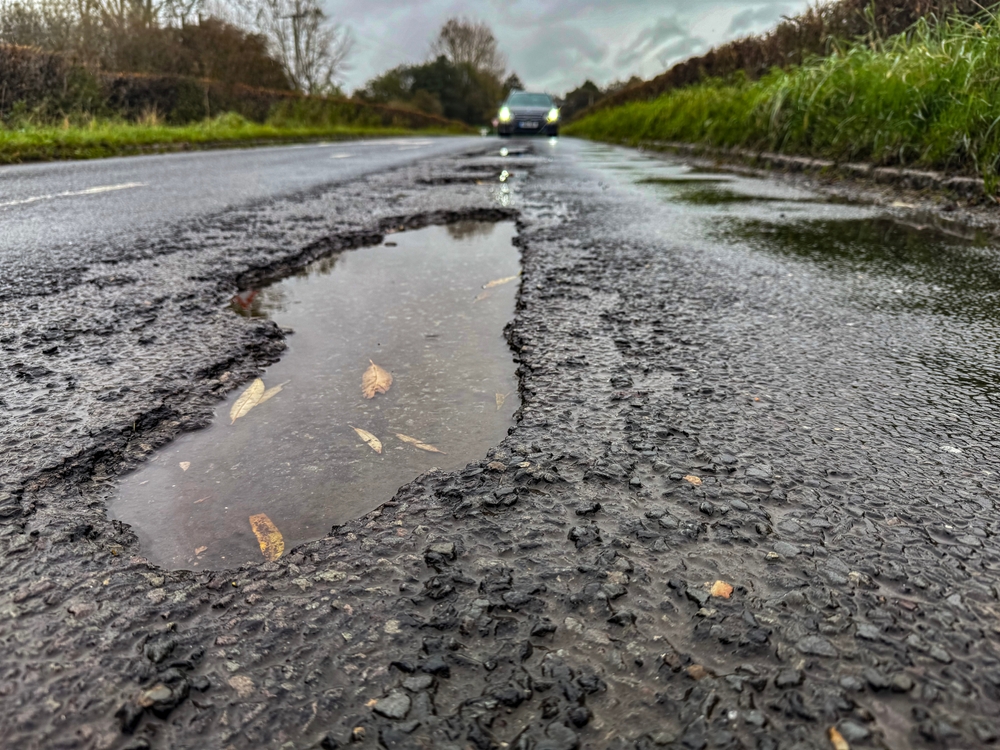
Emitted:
pixel 311 47
pixel 464 41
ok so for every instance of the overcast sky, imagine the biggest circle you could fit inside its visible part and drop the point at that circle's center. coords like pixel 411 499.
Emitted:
pixel 554 45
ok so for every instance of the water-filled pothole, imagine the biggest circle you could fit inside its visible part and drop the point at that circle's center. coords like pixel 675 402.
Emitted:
pixel 415 306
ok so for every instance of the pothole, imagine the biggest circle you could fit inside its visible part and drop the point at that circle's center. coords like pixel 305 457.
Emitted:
pixel 428 307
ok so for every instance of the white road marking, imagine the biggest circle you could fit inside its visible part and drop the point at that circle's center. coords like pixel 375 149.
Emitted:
pixel 341 156
pixel 74 193
pixel 394 142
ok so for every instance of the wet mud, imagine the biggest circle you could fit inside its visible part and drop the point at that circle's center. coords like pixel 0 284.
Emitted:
pixel 702 400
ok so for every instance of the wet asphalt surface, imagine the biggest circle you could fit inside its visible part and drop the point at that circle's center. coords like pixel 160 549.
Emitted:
pixel 792 396
pixel 59 218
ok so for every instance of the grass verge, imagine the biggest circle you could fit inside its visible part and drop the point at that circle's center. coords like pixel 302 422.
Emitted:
pixel 97 139
pixel 929 97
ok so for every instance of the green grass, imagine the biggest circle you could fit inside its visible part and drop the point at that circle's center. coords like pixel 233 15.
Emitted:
pixel 930 98
pixel 96 138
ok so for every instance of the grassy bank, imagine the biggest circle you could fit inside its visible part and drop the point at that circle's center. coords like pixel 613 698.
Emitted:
pixel 929 97
pixel 97 138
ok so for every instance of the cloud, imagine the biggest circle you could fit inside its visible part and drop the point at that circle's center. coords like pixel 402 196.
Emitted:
pixel 561 49
pixel 664 41
pixel 556 44
pixel 679 50
pixel 755 18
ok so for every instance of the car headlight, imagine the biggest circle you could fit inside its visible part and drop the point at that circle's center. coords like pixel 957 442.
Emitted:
pixel 504 114
pixel 553 114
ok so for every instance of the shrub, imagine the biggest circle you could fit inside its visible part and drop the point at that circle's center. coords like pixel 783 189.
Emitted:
pixel 818 31
pixel 929 97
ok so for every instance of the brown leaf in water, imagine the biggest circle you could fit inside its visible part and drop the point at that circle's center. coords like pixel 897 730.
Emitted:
pixel 837 740
pixel 185 465
pixel 501 397
pixel 722 590
pixel 500 282
pixel 247 400
pixel 696 481
pixel 272 544
pixel 373 442
pixel 272 392
pixel 375 380
pixel 419 444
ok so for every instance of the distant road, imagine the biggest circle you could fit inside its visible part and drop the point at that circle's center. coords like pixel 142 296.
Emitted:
pixel 50 213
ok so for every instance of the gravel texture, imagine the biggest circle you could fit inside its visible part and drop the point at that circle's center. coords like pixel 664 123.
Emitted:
pixel 687 417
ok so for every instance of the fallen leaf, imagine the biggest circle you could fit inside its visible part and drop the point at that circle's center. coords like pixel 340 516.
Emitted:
pixel 371 703
pixel 500 282
pixel 375 380
pixel 697 672
pixel 242 684
pixel 722 590
pixel 696 481
pixel 482 295
pixel 247 400
pixel 501 397
pixel 199 550
pixel 199 501
pixel 374 443
pixel 837 740
pixel 272 544
pixel 419 444
pixel 272 392
pixel 185 465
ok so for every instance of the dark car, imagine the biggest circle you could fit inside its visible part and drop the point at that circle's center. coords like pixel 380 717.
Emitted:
pixel 528 114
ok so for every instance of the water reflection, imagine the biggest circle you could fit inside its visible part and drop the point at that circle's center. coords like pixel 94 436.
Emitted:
pixel 419 310
pixel 698 195
pixel 919 268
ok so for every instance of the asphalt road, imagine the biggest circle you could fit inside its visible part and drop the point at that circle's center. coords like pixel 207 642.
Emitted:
pixel 749 500
pixel 56 215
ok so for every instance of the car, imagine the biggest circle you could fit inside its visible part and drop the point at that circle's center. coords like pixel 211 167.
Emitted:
pixel 525 113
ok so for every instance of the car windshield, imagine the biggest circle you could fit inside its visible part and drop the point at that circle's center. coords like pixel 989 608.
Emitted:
pixel 529 100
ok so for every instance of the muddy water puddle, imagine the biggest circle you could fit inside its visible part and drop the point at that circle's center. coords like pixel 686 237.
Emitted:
pixel 302 459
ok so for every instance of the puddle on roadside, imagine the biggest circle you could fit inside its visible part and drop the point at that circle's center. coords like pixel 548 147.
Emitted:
pixel 710 196
pixel 415 306
pixel 902 266
pixel 682 181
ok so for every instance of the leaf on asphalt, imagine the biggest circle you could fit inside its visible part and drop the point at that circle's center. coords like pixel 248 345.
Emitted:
pixel 272 544
pixel 722 590
pixel 185 465
pixel 374 443
pixel 482 295
pixel 500 282
pixel 696 481
pixel 837 740
pixel 501 397
pixel 375 380
pixel 419 444
pixel 272 392
pixel 199 550
pixel 247 400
